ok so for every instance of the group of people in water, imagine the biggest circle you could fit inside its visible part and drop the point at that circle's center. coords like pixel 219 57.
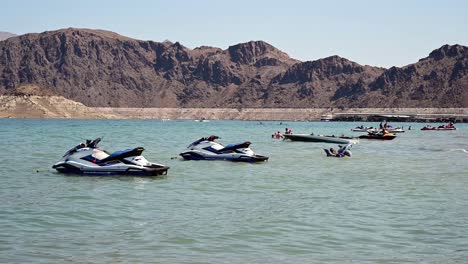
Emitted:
pixel 278 135
pixel 450 125
pixel 384 129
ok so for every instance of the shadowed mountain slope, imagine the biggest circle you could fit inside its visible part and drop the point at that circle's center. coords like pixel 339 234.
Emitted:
pixel 102 68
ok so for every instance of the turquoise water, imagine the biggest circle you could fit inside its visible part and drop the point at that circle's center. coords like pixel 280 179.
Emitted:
pixel 400 201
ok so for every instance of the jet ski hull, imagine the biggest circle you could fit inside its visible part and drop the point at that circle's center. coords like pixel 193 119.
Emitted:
pixel 194 155
pixel 384 137
pixel 209 149
pixel 319 138
pixel 438 129
pixel 68 168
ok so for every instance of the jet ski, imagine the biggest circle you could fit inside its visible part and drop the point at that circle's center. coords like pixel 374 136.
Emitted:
pixel 383 135
pixel 209 149
pixel 86 158
pixel 343 151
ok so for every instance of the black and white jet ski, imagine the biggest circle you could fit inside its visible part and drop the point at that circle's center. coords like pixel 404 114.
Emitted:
pixel 88 159
pixel 209 149
pixel 343 151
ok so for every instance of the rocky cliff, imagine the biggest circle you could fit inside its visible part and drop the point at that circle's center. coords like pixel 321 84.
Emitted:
pixel 441 79
pixel 101 68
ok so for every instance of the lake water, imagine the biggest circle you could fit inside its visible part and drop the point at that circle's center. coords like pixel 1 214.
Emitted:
pixel 399 201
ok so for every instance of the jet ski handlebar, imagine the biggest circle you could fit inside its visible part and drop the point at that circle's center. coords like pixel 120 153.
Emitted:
pixel 210 138
pixel 93 143
pixel 88 144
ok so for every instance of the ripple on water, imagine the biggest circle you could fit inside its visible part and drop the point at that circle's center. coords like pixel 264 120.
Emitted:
pixel 393 202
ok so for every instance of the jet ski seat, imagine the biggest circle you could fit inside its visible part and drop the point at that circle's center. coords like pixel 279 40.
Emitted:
pixel 123 154
pixel 232 147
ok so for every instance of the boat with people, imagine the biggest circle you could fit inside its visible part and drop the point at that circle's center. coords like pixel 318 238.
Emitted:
pixel 343 151
pixel 321 138
pixel 390 130
pixel 88 159
pixel 373 129
pixel 207 148
pixel 450 126
pixel 382 135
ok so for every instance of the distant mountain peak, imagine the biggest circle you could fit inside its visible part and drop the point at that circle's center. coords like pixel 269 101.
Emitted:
pixel 5 35
pixel 258 45
pixel 448 51
pixel 250 52
pixel 335 59
pixel 83 32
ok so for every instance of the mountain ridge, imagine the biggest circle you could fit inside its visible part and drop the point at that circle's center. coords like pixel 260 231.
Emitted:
pixel 103 68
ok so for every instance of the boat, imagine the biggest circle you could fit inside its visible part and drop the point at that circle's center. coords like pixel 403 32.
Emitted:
pixel 361 129
pixel 447 127
pixel 326 118
pixel 207 148
pixel 395 129
pixel 381 135
pixel 320 138
pixel 376 130
pixel 343 151
pixel 202 120
pixel 87 159
pixel 389 130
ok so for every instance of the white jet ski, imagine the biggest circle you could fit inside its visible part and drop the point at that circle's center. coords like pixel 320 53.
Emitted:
pixel 88 159
pixel 209 149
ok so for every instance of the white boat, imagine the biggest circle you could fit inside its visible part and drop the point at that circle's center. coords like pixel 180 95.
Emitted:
pixel 395 130
pixel 372 129
pixel 361 129
pixel 327 117
pixel 388 129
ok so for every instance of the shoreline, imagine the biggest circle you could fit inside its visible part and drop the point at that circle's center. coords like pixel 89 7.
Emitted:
pixel 59 107
pixel 283 114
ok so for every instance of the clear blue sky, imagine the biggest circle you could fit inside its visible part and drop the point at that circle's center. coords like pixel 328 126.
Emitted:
pixel 373 32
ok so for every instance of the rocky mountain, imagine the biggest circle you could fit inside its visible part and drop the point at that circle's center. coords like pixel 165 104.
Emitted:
pixel 102 68
pixel 4 35
pixel 441 77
